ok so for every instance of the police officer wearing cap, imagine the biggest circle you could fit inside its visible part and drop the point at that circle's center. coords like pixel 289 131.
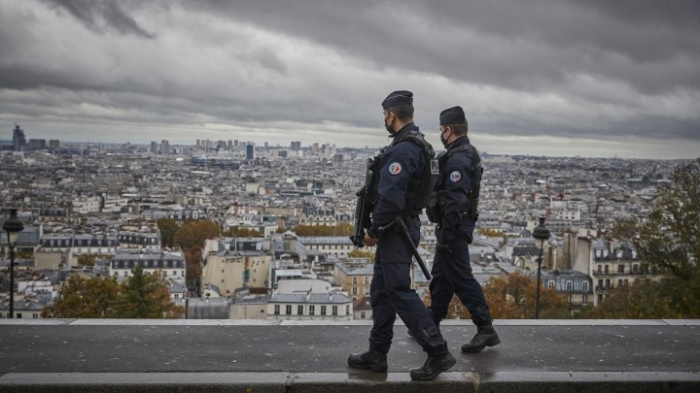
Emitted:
pixel 454 208
pixel 400 165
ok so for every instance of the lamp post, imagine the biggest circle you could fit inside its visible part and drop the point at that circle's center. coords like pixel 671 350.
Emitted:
pixel 13 226
pixel 541 234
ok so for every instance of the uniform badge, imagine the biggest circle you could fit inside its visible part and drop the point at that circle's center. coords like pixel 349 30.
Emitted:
pixel 395 168
pixel 455 176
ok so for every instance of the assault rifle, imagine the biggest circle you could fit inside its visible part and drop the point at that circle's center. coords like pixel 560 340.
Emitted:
pixel 365 202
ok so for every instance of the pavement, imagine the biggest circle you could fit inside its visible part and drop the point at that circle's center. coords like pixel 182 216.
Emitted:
pixel 290 356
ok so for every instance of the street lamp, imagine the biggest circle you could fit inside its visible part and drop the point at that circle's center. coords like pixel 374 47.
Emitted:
pixel 541 234
pixel 13 226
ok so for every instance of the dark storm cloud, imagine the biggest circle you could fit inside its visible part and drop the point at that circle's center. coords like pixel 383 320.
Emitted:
pixel 102 15
pixel 569 69
pixel 517 44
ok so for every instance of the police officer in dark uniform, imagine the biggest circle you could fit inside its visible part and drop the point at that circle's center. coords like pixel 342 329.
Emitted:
pixel 401 166
pixel 453 207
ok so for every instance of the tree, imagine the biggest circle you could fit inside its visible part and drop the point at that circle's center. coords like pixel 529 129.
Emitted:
pixel 167 227
pixel 191 237
pixel 361 254
pixel 146 295
pixel 513 297
pixel 669 241
pixel 85 298
pixel 644 299
pixel 242 232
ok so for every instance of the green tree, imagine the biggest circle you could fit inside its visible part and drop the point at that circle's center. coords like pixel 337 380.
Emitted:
pixel 167 227
pixel 146 295
pixel 669 242
pixel 644 299
pixel 85 298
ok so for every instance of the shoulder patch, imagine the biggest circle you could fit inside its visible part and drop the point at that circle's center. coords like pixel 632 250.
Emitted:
pixel 455 176
pixel 395 168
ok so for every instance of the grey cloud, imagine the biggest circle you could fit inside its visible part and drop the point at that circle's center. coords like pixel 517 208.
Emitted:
pixel 219 62
pixel 102 15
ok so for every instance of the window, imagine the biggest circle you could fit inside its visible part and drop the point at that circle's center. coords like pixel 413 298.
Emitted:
pixel 289 310
pixel 19 315
pixel 347 310
pixel 584 286
pixel 323 310
pixel 277 309
pixel 607 283
pixel 600 268
pixel 354 281
pixel 635 268
pixel 620 268
pixel 550 284
pixel 335 310
pixel 362 315
pixel 606 269
pixel 600 298
pixel 354 290
pixel 600 284
pixel 312 310
pixel 569 285
pixel 300 310
pixel 584 299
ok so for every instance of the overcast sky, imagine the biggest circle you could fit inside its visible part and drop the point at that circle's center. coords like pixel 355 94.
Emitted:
pixel 590 78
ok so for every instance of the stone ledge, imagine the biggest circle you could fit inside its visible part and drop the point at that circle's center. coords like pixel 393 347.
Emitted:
pixel 501 382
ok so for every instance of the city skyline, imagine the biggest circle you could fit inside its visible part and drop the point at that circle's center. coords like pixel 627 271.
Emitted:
pixel 540 78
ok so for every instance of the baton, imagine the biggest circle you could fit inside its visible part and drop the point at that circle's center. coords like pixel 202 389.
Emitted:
pixel 403 230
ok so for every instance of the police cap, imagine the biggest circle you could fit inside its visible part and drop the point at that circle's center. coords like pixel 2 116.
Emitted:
pixel 454 115
pixel 399 97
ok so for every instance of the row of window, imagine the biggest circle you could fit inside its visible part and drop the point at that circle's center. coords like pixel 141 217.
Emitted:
pixel 636 268
pixel 147 264
pixel 354 280
pixel 312 310
pixel 569 285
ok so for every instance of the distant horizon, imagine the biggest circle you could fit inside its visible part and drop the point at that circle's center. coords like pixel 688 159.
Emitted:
pixel 308 144
pixel 552 78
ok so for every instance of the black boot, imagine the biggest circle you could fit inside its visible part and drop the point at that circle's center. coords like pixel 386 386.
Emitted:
pixel 373 360
pixel 434 365
pixel 486 336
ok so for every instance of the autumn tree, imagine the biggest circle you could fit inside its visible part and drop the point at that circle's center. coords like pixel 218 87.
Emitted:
pixel 146 295
pixel 361 254
pixel 669 242
pixel 242 232
pixel 191 237
pixel 513 297
pixel 85 298
pixel 167 227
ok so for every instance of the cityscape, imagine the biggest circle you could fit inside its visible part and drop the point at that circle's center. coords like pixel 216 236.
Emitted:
pixel 97 210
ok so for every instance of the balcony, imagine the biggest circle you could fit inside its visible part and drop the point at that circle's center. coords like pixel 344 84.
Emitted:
pixel 293 356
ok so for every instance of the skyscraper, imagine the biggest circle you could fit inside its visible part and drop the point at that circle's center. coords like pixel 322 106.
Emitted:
pixel 154 147
pixel 18 139
pixel 249 152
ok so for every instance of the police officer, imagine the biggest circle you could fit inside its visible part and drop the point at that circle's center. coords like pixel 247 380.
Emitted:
pixel 401 166
pixel 454 209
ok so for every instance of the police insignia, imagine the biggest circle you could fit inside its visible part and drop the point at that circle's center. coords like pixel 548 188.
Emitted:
pixel 455 176
pixel 395 168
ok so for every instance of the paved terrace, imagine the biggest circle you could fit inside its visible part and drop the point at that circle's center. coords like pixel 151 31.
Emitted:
pixel 309 356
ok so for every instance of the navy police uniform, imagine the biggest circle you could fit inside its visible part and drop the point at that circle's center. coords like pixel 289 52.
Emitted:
pixel 401 169
pixel 454 209
pixel 390 292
